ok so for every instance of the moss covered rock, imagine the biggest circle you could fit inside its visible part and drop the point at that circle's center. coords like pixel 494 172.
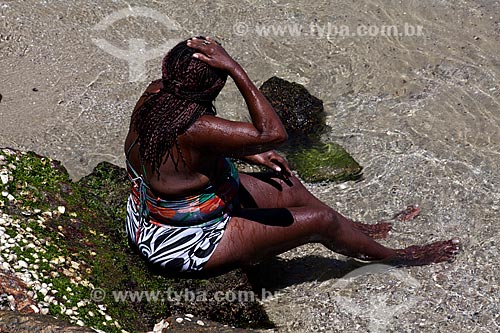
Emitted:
pixel 66 241
pixel 324 162
pixel 304 119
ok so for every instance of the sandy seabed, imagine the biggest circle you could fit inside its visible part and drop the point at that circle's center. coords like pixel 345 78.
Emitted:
pixel 419 110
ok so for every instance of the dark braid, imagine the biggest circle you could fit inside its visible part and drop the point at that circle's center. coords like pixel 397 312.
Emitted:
pixel 189 88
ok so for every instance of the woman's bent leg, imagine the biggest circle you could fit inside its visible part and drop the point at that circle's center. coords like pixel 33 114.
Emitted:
pixel 264 191
pixel 281 215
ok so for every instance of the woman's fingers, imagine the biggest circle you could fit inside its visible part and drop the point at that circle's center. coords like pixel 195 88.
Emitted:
pixel 201 57
pixel 197 44
pixel 268 159
pixel 204 45
pixel 283 168
pixel 211 52
pixel 275 166
pixel 281 164
pixel 273 161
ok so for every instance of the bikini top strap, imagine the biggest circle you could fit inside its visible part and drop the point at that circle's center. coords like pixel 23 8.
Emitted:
pixel 127 154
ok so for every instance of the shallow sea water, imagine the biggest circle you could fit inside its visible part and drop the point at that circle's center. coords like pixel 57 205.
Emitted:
pixel 420 113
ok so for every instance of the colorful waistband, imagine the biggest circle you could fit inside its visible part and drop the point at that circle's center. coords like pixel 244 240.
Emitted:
pixel 210 206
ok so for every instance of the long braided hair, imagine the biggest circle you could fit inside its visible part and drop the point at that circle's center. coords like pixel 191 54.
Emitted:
pixel 189 88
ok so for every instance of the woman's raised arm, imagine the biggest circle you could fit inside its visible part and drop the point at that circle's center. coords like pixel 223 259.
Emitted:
pixel 238 138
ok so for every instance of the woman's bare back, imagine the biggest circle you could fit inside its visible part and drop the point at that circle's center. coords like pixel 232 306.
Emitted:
pixel 193 173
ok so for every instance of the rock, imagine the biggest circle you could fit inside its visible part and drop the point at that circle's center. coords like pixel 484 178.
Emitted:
pixel 325 162
pixel 17 322
pixel 85 248
pixel 304 118
pixel 160 326
pixel 301 113
pixel 11 285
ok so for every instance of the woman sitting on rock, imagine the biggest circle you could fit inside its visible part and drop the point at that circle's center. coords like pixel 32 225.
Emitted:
pixel 189 208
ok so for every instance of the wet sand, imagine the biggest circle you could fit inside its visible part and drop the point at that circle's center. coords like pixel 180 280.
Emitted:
pixel 420 113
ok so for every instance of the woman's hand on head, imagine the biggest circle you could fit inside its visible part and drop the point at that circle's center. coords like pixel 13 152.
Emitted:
pixel 211 52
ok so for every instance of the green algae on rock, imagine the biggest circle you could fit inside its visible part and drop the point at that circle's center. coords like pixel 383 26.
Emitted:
pixel 66 240
pixel 324 162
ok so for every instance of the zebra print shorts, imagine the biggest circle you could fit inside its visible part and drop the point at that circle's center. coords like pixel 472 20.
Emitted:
pixel 177 249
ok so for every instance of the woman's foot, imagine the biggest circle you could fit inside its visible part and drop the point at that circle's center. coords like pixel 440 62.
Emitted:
pixel 375 231
pixel 426 254
pixel 381 229
pixel 408 214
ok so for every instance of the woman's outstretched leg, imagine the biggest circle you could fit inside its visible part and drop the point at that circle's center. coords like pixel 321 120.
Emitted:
pixel 261 233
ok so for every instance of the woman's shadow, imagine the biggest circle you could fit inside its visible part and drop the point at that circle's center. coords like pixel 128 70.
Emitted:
pixel 276 273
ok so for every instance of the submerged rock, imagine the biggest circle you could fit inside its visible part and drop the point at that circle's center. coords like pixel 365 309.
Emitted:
pixel 302 114
pixel 304 119
pixel 325 162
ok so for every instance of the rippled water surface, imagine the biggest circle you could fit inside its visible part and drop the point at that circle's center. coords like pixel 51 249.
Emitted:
pixel 420 113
